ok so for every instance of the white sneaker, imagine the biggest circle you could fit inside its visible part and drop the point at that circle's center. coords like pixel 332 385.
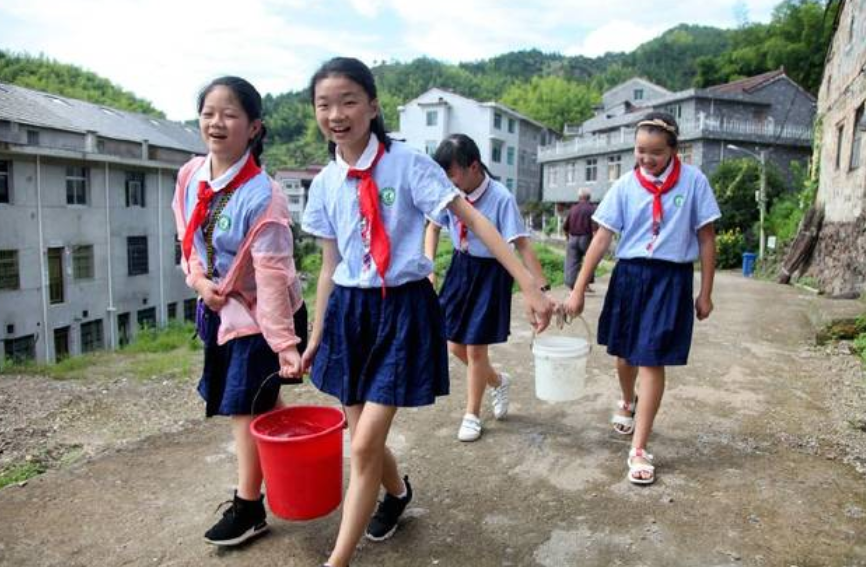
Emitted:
pixel 470 428
pixel 499 397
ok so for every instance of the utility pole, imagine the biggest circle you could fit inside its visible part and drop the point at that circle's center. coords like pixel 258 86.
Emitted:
pixel 762 203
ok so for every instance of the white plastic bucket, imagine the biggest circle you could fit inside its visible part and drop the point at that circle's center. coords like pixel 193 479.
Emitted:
pixel 560 367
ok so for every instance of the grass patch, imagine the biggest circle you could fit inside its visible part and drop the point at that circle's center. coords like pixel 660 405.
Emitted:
pixel 70 368
pixel 174 364
pixel 20 472
pixel 173 336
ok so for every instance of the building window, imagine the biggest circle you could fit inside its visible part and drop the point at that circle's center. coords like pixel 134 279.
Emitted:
pixel 189 306
pixel 614 167
pixel 510 184
pixel 430 147
pixel 686 153
pixel 638 94
pixel 82 262
pixel 675 110
pixel 147 318
pixel 554 175
pixel 497 121
pixel 512 125
pixel 172 311
pixel 134 189
pixel 178 251
pixel 9 276
pixel 76 185
pixel 857 138
pixel 136 255
pixel 5 182
pixel 91 336
pixel 32 137
pixel 840 133
pixel 21 349
pixel 591 169
pixel 294 199
pixel 569 173
pixel 432 118
pixel 509 155
pixel 55 275
pixel 496 152
pixel 61 343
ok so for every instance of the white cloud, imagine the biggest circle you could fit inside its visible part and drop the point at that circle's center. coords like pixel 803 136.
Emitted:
pixel 166 50
pixel 614 36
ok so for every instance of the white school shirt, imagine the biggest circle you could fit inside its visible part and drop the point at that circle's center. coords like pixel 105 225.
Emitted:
pixel 626 209
pixel 493 200
pixel 411 185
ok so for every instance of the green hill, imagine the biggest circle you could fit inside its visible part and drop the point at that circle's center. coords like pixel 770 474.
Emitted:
pixel 44 74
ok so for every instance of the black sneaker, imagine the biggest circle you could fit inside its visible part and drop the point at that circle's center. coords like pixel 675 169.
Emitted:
pixel 384 521
pixel 243 520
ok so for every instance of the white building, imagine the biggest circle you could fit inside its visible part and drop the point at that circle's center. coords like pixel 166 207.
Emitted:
pixel 508 140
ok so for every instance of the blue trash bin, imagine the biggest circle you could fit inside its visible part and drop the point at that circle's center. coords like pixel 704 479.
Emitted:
pixel 749 263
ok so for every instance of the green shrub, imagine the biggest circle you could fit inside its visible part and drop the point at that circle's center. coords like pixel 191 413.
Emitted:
pixel 730 246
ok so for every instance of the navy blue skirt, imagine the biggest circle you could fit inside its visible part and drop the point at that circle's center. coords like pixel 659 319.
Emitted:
pixel 649 312
pixel 235 372
pixel 476 300
pixel 390 350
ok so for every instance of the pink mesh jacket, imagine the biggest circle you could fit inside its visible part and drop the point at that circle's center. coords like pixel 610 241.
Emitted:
pixel 262 285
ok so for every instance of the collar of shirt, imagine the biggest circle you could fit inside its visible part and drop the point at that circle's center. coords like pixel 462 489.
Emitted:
pixel 478 192
pixel 661 178
pixel 223 180
pixel 366 159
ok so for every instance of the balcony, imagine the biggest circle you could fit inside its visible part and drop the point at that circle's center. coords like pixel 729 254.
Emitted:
pixel 754 132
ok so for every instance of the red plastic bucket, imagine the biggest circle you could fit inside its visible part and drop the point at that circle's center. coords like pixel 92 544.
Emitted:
pixel 301 451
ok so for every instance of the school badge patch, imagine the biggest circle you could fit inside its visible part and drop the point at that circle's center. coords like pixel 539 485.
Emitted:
pixel 679 200
pixel 387 196
pixel 224 223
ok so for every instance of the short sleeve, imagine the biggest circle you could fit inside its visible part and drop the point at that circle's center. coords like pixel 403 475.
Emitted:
pixel 706 207
pixel 511 224
pixel 316 220
pixel 432 191
pixel 609 213
pixel 439 220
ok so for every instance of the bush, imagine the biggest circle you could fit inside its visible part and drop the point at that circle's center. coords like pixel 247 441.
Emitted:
pixel 730 245
pixel 172 336
pixel 735 182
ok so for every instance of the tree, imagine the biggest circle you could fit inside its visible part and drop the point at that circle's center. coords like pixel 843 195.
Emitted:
pixel 553 101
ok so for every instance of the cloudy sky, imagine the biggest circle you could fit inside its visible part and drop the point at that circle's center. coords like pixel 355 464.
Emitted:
pixel 166 50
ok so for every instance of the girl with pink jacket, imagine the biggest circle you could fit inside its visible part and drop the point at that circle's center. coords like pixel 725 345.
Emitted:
pixel 235 229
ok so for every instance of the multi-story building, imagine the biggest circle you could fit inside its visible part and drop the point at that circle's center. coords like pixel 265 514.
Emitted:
pixel 88 245
pixel 839 260
pixel 766 112
pixel 296 186
pixel 508 141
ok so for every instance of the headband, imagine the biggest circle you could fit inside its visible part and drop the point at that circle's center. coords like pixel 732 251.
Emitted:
pixel 659 123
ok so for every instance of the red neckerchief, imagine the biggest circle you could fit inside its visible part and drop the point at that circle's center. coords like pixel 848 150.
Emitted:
pixel 368 203
pixel 206 195
pixel 657 191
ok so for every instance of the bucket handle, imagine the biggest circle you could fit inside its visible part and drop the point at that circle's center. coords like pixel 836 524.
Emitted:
pixel 562 319
pixel 262 385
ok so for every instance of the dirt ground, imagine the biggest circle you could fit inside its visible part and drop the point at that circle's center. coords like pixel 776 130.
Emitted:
pixel 760 447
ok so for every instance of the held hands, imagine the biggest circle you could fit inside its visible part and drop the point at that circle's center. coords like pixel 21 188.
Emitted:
pixel 290 363
pixel 209 293
pixel 703 307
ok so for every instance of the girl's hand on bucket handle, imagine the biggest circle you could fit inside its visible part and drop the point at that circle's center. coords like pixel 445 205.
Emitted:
pixel 309 355
pixel 290 363
pixel 574 304
pixel 540 309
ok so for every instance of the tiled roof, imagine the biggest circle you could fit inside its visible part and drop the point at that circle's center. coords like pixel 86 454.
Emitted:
pixel 37 108
pixel 748 84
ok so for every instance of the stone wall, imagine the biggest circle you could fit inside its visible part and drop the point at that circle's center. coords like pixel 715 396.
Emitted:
pixel 839 260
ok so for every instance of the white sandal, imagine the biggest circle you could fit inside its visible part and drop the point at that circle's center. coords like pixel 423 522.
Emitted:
pixel 625 423
pixel 637 468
